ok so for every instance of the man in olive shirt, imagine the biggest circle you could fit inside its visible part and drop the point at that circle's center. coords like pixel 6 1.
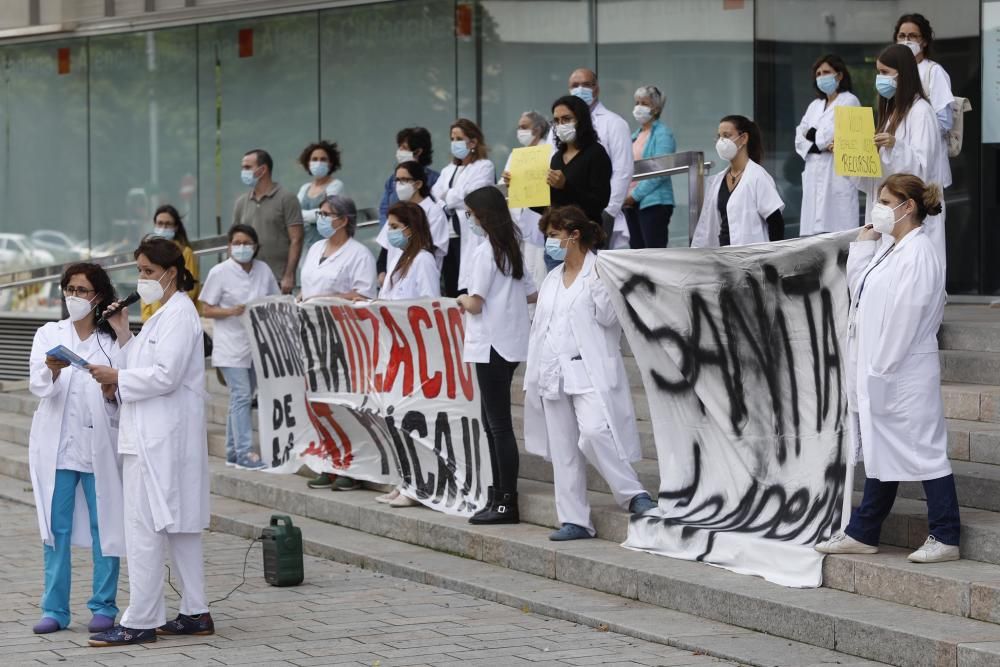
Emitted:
pixel 275 214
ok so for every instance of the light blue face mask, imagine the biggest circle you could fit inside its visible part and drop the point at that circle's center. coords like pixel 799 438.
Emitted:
pixel 585 94
pixel 319 169
pixel 460 150
pixel 827 83
pixel 476 229
pixel 397 239
pixel 249 180
pixel 241 253
pixel 324 225
pixel 554 249
pixel 885 85
pixel 165 232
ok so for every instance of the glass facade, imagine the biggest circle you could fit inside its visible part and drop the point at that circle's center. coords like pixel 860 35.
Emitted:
pixel 99 130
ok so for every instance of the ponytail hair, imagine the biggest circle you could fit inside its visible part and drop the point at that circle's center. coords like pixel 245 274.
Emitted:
pixel 166 254
pixel 755 140
pixel 573 219
pixel 927 196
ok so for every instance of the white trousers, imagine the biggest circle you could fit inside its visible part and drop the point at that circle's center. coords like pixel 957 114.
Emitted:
pixel 578 433
pixel 146 551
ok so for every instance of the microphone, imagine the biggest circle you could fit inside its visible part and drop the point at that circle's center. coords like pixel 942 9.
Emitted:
pixel 115 307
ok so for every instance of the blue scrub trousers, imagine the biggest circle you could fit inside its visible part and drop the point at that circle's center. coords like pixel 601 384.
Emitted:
pixel 58 559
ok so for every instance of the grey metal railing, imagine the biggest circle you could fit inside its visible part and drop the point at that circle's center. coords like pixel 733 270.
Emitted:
pixel 691 163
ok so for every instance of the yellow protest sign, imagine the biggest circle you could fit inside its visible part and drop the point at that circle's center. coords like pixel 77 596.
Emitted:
pixel 529 167
pixel 854 149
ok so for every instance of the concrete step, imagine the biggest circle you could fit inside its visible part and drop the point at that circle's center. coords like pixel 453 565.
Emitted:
pixel 971 402
pixel 530 593
pixel 972 367
pixel 975 328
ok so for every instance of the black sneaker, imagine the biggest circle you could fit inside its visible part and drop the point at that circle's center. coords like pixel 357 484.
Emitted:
pixel 120 635
pixel 188 625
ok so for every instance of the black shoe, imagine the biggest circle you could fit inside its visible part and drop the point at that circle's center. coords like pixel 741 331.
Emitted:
pixel 502 509
pixel 120 635
pixel 188 625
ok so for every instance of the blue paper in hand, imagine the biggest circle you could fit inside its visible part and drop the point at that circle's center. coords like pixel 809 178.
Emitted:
pixel 69 356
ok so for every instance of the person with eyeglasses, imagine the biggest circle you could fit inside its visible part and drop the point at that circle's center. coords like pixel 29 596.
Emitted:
pixel 338 266
pixel 168 224
pixel 72 452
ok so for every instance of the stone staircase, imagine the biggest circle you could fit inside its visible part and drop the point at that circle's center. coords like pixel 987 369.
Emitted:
pixel 872 609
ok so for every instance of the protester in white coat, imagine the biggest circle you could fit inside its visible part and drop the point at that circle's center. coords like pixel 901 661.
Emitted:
pixel 742 204
pixel 72 452
pixel 532 130
pixel 411 186
pixel 829 201
pixel 907 134
pixel 616 138
pixel 469 170
pixel 915 32
pixel 163 442
pixel 577 405
pixel 894 375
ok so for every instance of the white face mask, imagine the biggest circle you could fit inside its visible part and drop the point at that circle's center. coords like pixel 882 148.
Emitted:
pixel 642 114
pixel 150 291
pixel 403 156
pixel 884 218
pixel 913 46
pixel 566 132
pixel 78 308
pixel 525 137
pixel 726 148
pixel 405 191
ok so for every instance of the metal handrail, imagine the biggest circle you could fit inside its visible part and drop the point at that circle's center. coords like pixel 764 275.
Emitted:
pixel 691 163
pixel 45 274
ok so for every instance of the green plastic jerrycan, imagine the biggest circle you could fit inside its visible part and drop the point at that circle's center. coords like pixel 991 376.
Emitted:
pixel 282 552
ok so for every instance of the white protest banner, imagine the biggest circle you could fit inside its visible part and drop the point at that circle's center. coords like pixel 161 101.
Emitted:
pixel 742 357
pixel 387 397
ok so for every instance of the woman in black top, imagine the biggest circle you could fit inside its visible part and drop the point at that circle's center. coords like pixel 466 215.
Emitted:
pixel 580 170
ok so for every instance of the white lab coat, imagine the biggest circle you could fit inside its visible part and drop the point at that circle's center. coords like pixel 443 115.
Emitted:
pixel 598 335
pixel 937 87
pixel 829 202
pixel 422 279
pixel 470 177
pixel 893 371
pixel 616 137
pixel 162 387
pixel 43 443
pixel 918 150
pixel 754 199
pixel 439 227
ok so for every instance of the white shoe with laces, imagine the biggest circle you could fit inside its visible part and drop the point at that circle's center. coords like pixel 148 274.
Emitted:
pixel 934 552
pixel 842 543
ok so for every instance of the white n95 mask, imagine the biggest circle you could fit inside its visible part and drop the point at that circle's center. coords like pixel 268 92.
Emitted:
pixel 884 218
pixel 726 148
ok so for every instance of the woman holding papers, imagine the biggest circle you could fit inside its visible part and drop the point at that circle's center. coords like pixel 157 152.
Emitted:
pixel 532 130
pixel 72 451
pixel 906 133
pixel 577 405
pixel 829 201
pixel 162 440
pixel 896 280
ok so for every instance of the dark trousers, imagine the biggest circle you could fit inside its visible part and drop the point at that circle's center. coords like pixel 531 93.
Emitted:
pixel 450 266
pixel 654 221
pixel 635 239
pixel 494 380
pixel 942 510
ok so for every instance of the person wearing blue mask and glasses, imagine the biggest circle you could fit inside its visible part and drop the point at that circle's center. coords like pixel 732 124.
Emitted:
pixel 167 222
pixel 577 403
pixel 829 201
pixel 907 133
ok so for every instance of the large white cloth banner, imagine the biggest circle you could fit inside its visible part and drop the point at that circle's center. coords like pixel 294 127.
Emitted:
pixel 374 391
pixel 742 357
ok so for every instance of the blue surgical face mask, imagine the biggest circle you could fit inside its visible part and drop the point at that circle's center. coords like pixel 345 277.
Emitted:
pixel 324 225
pixel 397 239
pixel 249 180
pixel 460 149
pixel 827 83
pixel 475 227
pixel 554 249
pixel 165 232
pixel 885 84
pixel 241 253
pixel 585 94
pixel 319 169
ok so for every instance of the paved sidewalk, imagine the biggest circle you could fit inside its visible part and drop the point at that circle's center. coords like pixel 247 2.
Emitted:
pixel 339 616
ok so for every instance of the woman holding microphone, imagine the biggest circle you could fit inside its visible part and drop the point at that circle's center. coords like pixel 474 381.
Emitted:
pixel 72 452
pixel 162 439
pixel 577 405
pixel 896 279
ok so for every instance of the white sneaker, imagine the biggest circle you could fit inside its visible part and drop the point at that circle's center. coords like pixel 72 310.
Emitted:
pixel 842 543
pixel 403 501
pixel 387 498
pixel 934 552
